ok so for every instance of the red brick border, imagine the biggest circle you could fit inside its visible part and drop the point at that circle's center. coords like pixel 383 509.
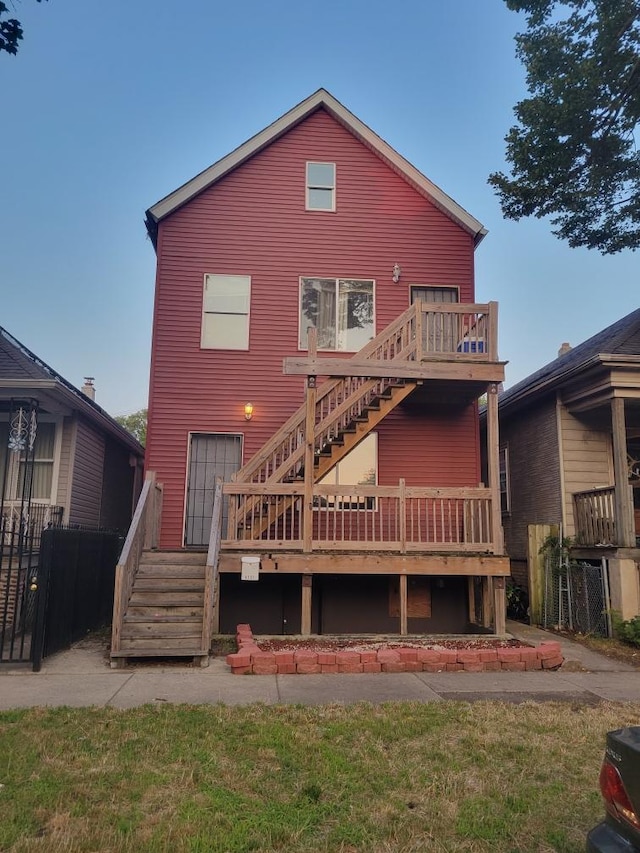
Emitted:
pixel 250 659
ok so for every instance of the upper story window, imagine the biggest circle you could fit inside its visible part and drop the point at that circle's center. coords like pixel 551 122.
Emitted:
pixel 341 309
pixel 225 312
pixel 321 186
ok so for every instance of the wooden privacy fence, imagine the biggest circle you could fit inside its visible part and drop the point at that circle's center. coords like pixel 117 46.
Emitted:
pixel 595 516
pixel 394 518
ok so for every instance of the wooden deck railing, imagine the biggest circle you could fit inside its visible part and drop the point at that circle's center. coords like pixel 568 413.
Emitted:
pixel 143 533
pixel 210 620
pixel 457 332
pixel 377 518
pixel 595 516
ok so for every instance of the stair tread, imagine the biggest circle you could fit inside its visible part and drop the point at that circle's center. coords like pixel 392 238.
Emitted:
pixel 167 652
pixel 161 618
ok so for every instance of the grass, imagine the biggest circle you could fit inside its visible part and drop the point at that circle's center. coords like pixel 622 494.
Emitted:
pixel 397 777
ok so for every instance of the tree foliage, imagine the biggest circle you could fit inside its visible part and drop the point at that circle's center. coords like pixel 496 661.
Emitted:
pixel 10 30
pixel 573 151
pixel 136 424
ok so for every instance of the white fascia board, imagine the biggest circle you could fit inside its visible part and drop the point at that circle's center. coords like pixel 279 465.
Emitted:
pixel 320 98
pixel 70 401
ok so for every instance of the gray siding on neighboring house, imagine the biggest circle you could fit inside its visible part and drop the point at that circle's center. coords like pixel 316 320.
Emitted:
pixel 531 436
pixel 86 485
pixel 587 461
pixel 64 468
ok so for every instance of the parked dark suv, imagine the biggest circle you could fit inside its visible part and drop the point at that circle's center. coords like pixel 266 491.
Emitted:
pixel 619 832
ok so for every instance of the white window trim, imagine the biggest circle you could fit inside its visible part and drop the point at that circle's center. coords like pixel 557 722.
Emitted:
pixel 336 279
pixel 204 313
pixel 309 186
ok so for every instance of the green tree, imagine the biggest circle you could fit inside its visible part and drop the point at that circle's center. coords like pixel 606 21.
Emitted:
pixel 10 30
pixel 136 424
pixel 573 151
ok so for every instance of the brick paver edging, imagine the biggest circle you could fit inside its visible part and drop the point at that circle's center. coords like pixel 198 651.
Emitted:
pixel 250 659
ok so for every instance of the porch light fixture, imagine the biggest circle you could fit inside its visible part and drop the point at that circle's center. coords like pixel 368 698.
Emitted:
pixel 396 273
pixel 248 411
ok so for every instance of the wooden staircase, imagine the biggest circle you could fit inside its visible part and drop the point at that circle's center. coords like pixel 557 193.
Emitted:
pixel 164 614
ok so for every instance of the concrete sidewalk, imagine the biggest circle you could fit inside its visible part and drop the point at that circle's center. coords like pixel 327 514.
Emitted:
pixel 82 677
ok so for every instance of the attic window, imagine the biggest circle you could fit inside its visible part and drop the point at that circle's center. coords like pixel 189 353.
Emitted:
pixel 321 186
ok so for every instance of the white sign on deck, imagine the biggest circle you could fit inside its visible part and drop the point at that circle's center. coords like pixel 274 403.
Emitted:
pixel 250 568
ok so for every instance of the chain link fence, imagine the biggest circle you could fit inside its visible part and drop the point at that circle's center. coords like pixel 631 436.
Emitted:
pixel 576 596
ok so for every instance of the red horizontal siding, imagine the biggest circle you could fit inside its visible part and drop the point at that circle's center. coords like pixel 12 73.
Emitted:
pixel 253 222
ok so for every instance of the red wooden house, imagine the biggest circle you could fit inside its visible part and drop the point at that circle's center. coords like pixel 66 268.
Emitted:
pixel 317 345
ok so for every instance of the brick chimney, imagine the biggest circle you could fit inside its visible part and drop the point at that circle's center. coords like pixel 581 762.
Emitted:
pixel 89 389
pixel 564 349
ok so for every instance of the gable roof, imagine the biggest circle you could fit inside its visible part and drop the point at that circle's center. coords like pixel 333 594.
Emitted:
pixel 22 372
pixel 620 341
pixel 319 100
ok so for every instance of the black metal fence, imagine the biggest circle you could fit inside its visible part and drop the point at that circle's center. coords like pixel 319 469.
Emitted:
pixel 76 576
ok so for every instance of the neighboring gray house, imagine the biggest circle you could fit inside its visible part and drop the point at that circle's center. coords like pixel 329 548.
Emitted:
pixel 570 455
pixel 83 467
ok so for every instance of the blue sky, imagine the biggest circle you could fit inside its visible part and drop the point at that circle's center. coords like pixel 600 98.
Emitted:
pixel 109 106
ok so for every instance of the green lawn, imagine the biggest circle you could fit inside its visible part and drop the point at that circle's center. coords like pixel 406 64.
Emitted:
pixel 398 777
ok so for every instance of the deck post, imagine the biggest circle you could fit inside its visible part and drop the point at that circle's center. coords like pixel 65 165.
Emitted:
pixel 493 331
pixel 309 451
pixel 499 606
pixel 625 523
pixel 403 605
pixel 402 509
pixel 419 329
pixel 471 598
pixel 487 593
pixel 493 467
pixel 305 614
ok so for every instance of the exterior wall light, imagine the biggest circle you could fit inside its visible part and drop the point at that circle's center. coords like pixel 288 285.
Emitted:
pixel 396 273
pixel 248 411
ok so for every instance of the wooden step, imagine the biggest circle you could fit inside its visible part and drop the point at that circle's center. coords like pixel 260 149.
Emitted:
pixel 164 610
pixel 169 570
pixel 162 619
pixel 168 584
pixel 166 630
pixel 159 646
pixel 153 598
pixel 197 558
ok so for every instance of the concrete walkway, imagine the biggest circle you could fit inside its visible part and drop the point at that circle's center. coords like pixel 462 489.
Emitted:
pixel 82 677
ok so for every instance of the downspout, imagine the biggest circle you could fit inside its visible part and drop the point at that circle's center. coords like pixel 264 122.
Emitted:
pixel 563 496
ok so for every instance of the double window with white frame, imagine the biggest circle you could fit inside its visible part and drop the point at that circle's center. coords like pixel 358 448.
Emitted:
pixel 225 312
pixel 341 309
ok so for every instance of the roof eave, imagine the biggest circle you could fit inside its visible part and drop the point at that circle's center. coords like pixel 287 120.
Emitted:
pixel 545 385
pixel 321 98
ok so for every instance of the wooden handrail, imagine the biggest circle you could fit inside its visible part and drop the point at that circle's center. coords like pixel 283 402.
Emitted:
pixel 143 532
pixel 211 591
pixel 296 421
